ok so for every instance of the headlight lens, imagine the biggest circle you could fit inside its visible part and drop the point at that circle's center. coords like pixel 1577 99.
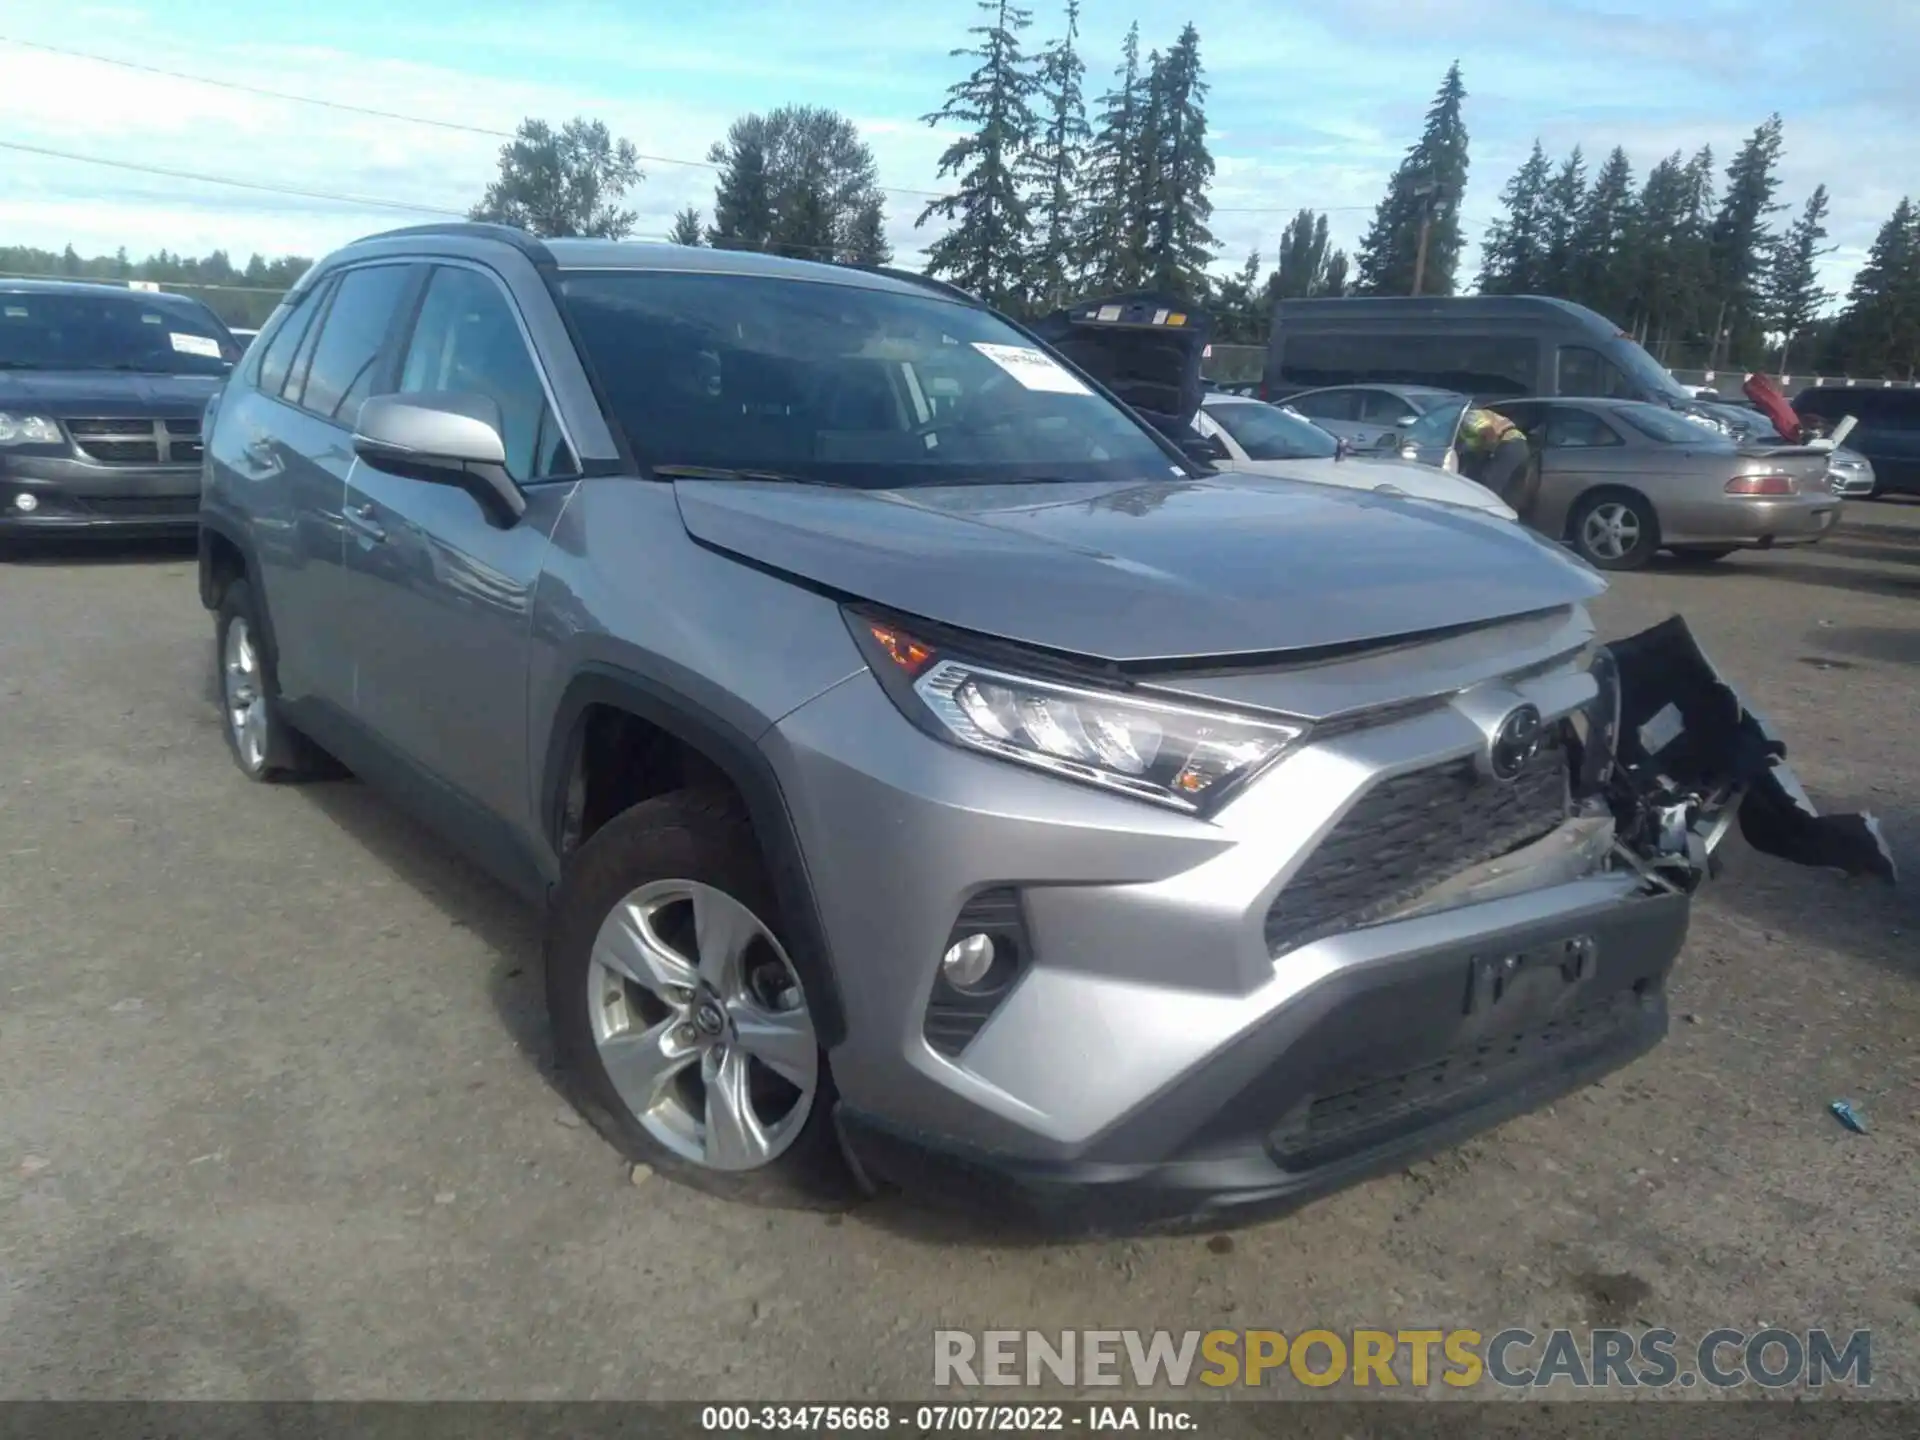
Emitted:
pixel 27 430
pixel 1189 759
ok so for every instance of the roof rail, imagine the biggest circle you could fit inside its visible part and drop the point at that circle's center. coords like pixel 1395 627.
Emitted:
pixel 925 282
pixel 529 245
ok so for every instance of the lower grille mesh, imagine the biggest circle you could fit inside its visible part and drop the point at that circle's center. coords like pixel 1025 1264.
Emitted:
pixel 1408 834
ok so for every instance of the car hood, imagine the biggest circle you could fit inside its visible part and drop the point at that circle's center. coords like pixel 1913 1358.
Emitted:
pixel 1145 347
pixel 107 394
pixel 1157 570
pixel 1361 472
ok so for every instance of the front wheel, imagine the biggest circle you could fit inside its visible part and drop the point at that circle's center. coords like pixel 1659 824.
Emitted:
pixel 683 1030
pixel 1615 530
pixel 263 744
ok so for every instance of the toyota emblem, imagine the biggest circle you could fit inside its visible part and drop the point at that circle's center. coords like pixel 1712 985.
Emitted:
pixel 1515 743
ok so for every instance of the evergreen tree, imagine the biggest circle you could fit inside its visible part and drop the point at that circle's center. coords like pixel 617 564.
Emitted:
pixel 1241 305
pixel 1653 265
pixel 1739 240
pixel 985 250
pixel 1600 239
pixel 1793 294
pixel 1514 253
pixel 1180 247
pixel 867 239
pixel 743 199
pixel 565 182
pixel 1301 267
pixel 1336 284
pixel 1566 196
pixel 1879 335
pixel 1109 242
pixel 1054 170
pixel 686 228
pixel 1428 183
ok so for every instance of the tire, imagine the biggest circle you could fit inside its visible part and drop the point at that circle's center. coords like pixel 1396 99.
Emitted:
pixel 678 860
pixel 1621 514
pixel 1703 554
pixel 263 744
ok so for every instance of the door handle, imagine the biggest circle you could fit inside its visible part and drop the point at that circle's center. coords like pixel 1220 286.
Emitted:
pixel 360 519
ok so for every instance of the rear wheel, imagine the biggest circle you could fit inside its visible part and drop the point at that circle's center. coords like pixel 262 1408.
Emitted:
pixel 1615 530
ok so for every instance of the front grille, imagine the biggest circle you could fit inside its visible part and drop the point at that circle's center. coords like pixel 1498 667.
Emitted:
pixel 1410 833
pixel 137 440
pixel 155 506
pixel 1381 1107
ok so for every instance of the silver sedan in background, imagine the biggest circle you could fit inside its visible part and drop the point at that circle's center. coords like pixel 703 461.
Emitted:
pixel 1621 480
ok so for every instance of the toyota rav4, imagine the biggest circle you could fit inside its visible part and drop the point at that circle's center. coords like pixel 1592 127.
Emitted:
pixel 934 775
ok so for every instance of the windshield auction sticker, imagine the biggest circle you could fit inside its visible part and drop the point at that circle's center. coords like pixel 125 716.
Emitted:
pixel 1034 370
pixel 195 344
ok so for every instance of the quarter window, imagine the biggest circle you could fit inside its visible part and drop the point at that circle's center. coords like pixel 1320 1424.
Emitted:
pixel 277 359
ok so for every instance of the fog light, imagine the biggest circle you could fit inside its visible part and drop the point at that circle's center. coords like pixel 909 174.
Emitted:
pixel 26 504
pixel 968 963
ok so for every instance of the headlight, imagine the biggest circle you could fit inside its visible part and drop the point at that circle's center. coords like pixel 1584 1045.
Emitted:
pixel 27 430
pixel 1186 758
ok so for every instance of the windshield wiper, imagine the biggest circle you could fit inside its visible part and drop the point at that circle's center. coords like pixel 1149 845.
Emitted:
pixel 726 472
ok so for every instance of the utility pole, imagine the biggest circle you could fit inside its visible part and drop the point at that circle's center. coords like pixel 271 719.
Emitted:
pixel 1423 190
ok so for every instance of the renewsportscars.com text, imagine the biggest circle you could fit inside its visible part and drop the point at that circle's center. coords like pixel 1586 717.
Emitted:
pixel 1514 1359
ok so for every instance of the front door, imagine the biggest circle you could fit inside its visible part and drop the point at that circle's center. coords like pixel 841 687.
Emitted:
pixel 442 595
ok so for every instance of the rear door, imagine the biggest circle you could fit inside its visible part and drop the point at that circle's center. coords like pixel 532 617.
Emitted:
pixel 1578 450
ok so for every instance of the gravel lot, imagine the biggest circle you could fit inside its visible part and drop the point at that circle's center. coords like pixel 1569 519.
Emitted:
pixel 274 1121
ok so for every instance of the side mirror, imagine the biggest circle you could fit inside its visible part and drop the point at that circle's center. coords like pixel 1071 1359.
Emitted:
pixel 1409 452
pixel 449 438
pixel 1206 449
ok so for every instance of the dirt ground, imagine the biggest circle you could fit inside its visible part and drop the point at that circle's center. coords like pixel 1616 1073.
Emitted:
pixel 275 1123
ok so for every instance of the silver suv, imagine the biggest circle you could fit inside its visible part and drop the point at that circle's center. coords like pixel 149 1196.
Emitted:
pixel 934 775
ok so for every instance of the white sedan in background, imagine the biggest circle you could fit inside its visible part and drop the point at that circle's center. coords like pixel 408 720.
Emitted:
pixel 1263 439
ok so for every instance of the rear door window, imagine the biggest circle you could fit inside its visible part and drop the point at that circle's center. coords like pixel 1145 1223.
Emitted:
pixel 341 374
pixel 277 359
pixel 1383 407
pixel 1327 405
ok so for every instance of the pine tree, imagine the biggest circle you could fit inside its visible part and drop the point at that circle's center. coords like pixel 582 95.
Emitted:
pixel 1301 267
pixel 686 228
pixel 1566 196
pixel 866 242
pixel 1054 169
pixel 1739 240
pixel 1240 305
pixel 1336 284
pixel 1653 264
pixel 1513 254
pixel 1108 257
pixel 743 214
pixel 1793 294
pixel 985 250
pixel 1879 335
pixel 1600 239
pixel 1180 247
pixel 1428 183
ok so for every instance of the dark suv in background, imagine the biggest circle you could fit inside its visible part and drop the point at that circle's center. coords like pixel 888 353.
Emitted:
pixel 102 390
pixel 1887 432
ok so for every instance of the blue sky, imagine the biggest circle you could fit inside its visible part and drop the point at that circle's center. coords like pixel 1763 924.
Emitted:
pixel 1312 104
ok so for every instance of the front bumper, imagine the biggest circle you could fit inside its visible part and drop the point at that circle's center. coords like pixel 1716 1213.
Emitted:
pixel 1193 984
pixel 72 496
pixel 1374 1067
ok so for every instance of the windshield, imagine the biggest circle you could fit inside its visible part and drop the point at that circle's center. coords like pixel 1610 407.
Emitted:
pixel 841 384
pixel 1647 372
pixel 1666 426
pixel 110 331
pixel 1434 430
pixel 1267 432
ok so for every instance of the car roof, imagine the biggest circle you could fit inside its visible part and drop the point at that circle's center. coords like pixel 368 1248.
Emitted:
pixel 649 255
pixel 96 288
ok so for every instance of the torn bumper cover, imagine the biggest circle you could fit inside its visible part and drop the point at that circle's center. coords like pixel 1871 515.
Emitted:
pixel 1691 756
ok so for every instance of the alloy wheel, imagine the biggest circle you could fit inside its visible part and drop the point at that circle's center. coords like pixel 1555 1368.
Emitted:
pixel 244 689
pixel 701 1023
pixel 1611 530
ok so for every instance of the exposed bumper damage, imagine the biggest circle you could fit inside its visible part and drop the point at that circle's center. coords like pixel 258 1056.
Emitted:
pixel 1692 757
